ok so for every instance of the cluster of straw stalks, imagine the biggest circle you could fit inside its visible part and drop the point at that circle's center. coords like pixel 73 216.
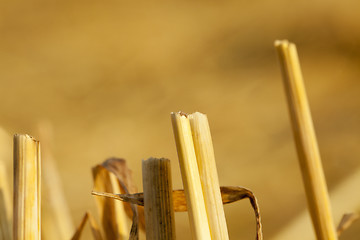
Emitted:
pixel 153 210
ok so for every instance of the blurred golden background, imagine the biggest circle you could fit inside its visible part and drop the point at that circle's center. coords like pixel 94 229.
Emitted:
pixel 106 76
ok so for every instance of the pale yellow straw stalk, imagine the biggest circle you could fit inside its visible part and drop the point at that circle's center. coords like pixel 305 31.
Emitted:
pixel 199 223
pixel 208 174
pixel 27 192
pixel 306 144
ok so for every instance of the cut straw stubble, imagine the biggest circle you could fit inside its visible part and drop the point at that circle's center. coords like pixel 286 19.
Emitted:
pixel 199 223
pixel 27 192
pixel 208 174
pixel 306 144
pixel 158 202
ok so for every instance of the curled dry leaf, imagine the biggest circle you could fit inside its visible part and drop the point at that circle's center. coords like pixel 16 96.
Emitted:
pixel 233 194
pixel 346 222
pixel 93 225
pixel 119 168
pixel 228 194
pixel 111 213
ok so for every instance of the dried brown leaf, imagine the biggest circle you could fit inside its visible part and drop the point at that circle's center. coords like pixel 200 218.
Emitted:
pixel 119 168
pixel 228 194
pixel 112 214
pixel 233 194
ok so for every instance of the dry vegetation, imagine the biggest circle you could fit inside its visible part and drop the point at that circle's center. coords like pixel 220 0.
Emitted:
pixel 106 75
pixel 153 210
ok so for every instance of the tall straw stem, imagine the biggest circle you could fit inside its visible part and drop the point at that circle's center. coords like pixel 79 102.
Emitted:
pixel 306 144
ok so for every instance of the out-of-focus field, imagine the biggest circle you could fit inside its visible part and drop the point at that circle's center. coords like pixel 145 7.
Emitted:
pixel 107 75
